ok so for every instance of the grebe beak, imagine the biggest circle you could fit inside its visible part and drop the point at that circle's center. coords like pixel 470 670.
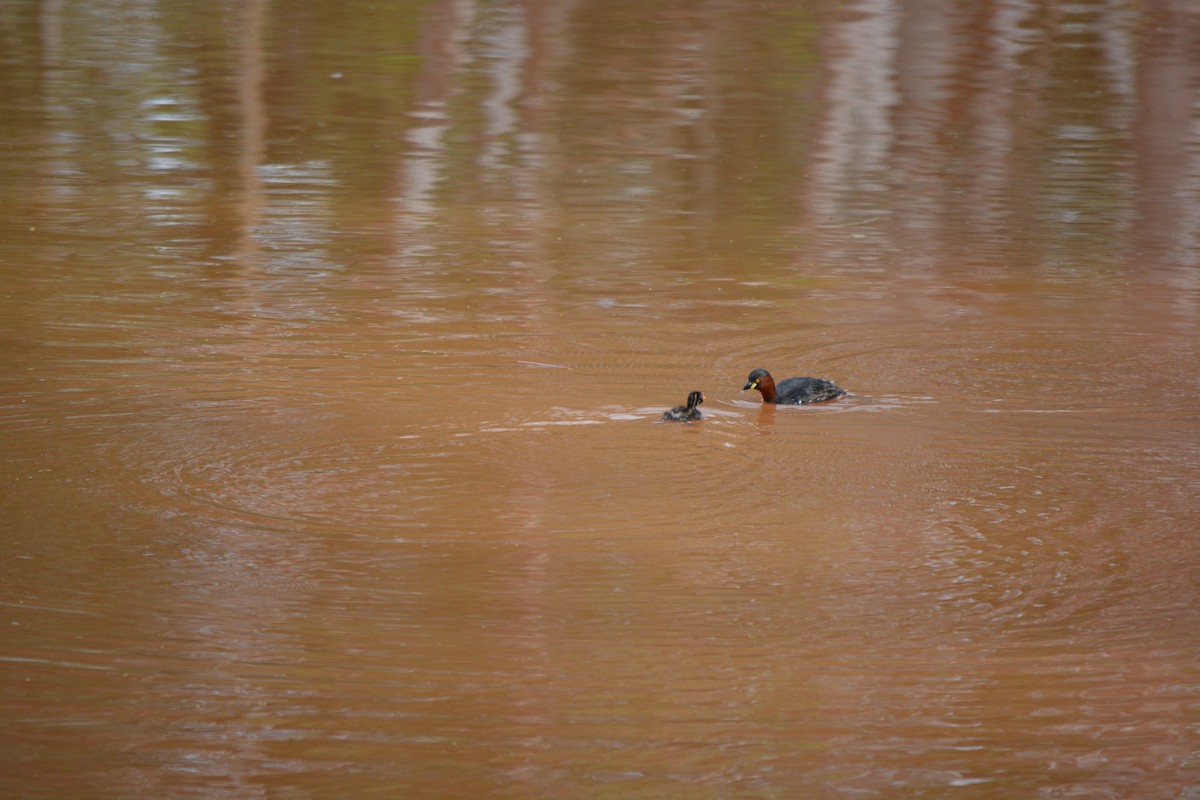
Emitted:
pixel 751 385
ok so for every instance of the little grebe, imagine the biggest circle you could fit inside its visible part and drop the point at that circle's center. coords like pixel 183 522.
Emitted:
pixel 685 413
pixel 792 391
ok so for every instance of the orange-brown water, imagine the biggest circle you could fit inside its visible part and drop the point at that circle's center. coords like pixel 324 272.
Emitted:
pixel 335 339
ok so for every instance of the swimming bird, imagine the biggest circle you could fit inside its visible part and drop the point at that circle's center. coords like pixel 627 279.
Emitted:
pixel 686 413
pixel 792 391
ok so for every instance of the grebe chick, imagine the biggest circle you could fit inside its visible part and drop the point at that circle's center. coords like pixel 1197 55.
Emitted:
pixel 792 391
pixel 685 413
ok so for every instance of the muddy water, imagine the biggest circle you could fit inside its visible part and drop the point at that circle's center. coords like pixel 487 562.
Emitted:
pixel 335 341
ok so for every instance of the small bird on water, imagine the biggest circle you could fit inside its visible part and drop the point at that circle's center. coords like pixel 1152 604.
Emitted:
pixel 792 391
pixel 686 413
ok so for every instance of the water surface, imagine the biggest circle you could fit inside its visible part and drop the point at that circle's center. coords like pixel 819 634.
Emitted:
pixel 335 342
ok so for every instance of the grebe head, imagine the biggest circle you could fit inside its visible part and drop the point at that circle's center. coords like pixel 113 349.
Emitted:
pixel 756 377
